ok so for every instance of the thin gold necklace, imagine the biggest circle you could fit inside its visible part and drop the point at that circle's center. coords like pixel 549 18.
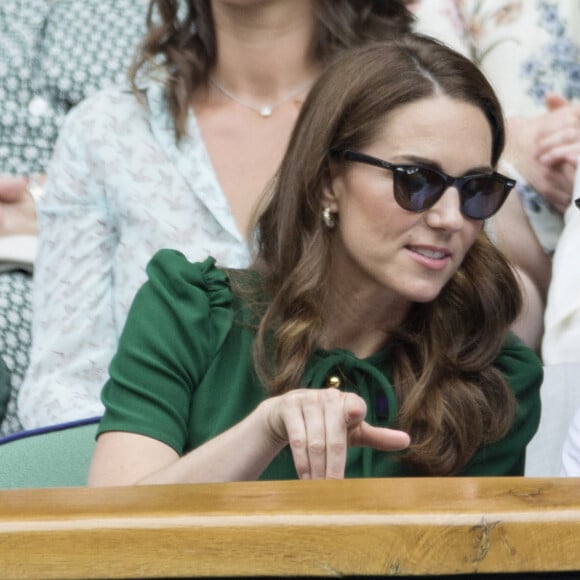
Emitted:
pixel 264 111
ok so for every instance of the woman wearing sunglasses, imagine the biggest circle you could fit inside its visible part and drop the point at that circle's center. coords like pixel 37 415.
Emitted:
pixel 370 336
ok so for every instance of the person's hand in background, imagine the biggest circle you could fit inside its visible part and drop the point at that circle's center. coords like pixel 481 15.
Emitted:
pixel 17 207
pixel 544 150
pixel 559 149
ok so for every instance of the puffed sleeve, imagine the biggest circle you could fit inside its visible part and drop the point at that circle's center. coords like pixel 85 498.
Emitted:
pixel 176 324
pixel 524 373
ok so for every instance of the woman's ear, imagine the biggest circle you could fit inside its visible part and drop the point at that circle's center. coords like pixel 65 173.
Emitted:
pixel 329 198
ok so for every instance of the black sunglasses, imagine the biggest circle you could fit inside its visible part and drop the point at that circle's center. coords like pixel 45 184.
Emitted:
pixel 419 188
pixel 577 202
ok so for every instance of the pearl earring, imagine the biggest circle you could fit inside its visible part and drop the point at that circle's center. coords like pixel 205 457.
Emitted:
pixel 328 218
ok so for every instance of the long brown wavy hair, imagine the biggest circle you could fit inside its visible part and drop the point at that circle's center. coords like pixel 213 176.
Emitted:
pixel 181 37
pixel 451 397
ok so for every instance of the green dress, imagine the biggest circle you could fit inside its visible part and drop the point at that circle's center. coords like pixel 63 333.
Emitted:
pixel 184 374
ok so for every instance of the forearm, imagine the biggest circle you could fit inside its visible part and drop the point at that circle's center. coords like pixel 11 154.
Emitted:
pixel 318 425
pixel 519 132
pixel 241 453
pixel 517 240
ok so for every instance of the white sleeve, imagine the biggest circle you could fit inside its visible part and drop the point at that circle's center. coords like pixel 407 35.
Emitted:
pixel 73 326
pixel 571 450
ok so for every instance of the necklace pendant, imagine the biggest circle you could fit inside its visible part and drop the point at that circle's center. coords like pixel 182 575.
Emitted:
pixel 265 112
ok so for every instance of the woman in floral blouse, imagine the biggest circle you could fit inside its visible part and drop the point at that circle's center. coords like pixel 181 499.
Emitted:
pixel 53 53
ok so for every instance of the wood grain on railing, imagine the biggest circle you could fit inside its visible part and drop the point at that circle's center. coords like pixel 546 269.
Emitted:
pixel 378 527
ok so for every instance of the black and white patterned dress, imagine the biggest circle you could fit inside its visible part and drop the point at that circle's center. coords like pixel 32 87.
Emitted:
pixel 53 54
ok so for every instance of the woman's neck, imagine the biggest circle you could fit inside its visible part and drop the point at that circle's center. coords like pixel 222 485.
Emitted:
pixel 264 49
pixel 359 320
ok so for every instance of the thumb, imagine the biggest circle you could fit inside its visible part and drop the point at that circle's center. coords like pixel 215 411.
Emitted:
pixel 554 101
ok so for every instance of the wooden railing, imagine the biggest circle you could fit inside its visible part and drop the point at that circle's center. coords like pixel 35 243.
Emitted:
pixel 320 528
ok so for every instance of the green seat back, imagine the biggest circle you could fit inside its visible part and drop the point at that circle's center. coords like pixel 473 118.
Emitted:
pixel 58 456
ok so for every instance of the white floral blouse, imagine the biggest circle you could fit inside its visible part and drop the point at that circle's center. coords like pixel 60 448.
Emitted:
pixel 108 207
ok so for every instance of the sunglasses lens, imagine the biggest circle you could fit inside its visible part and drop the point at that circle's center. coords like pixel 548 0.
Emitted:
pixel 482 196
pixel 417 188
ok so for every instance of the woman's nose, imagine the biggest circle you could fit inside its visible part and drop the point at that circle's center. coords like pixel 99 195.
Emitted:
pixel 446 213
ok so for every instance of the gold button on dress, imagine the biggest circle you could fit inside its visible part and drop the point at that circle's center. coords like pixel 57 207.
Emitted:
pixel 334 382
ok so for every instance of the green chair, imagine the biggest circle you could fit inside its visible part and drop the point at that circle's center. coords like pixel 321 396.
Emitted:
pixel 56 456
